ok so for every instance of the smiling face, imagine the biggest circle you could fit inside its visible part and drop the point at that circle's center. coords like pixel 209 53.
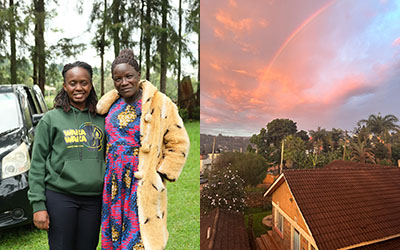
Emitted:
pixel 78 85
pixel 126 81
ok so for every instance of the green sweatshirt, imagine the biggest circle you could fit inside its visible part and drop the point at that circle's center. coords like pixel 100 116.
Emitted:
pixel 68 155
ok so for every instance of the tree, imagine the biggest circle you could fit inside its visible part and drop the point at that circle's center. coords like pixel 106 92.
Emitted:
pixel 295 152
pixel 250 167
pixel 396 152
pixel 193 25
pixel 345 144
pixel 39 58
pixel 303 135
pixel 261 142
pixel 100 42
pixel 147 37
pixel 116 25
pixel 14 26
pixel 381 153
pixel 380 125
pixel 381 128
pixel 225 189
pixel 269 140
pixel 163 45
pixel 13 60
pixel 141 31
pixel 319 139
pixel 179 52
pixel 250 149
pixel 4 16
pixel 361 153
pixel 335 137
pixel 279 129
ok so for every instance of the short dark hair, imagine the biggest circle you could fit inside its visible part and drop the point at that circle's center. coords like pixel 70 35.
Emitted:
pixel 79 64
pixel 125 56
pixel 62 99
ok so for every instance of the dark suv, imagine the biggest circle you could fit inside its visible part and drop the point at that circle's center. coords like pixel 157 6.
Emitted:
pixel 21 108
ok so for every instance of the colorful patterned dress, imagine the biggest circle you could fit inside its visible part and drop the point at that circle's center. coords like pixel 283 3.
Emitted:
pixel 120 222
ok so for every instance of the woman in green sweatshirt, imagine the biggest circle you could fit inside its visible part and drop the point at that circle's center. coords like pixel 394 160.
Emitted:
pixel 67 169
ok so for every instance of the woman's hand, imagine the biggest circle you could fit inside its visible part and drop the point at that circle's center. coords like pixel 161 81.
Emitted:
pixel 41 220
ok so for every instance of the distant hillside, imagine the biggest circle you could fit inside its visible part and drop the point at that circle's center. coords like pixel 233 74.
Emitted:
pixel 223 143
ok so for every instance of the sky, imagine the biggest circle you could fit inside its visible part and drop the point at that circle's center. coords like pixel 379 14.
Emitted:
pixel 73 25
pixel 316 62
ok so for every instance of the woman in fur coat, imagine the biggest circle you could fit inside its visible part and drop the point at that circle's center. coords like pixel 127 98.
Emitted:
pixel 147 145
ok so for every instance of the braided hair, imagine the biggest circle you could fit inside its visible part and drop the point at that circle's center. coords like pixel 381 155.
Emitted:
pixel 62 99
pixel 125 56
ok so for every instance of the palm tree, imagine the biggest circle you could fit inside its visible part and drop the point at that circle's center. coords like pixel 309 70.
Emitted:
pixel 318 134
pixel 380 125
pixel 318 138
pixel 361 153
pixel 344 142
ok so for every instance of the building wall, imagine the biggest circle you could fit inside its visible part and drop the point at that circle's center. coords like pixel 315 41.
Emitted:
pixel 284 198
pixel 303 243
pixel 283 240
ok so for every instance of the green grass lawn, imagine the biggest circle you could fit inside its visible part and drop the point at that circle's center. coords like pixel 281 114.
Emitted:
pixel 183 209
pixel 184 199
pixel 258 215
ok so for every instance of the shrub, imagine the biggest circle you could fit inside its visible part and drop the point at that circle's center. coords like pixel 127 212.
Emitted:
pixel 225 189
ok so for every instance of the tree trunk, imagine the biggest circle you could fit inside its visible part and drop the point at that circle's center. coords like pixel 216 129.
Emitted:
pixel 34 61
pixel 40 44
pixel 179 52
pixel 103 42
pixel 116 38
pixel 163 45
pixel 141 33
pixel 13 58
pixel 147 39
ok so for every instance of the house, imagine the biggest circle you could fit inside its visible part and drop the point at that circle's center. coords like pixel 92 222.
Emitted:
pixel 342 206
pixel 223 230
pixel 269 179
pixel 206 161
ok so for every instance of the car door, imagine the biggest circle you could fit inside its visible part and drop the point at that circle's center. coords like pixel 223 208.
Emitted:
pixel 40 98
pixel 27 110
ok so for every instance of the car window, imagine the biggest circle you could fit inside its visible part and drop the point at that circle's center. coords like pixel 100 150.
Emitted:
pixel 27 110
pixel 35 108
pixel 40 98
pixel 9 108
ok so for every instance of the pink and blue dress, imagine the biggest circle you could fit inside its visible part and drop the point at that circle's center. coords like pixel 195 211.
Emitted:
pixel 120 221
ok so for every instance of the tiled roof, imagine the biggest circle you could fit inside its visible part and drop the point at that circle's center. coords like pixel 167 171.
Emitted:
pixel 347 207
pixel 393 244
pixel 227 231
pixel 339 164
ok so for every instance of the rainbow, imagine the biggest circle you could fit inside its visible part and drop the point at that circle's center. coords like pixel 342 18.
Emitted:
pixel 296 31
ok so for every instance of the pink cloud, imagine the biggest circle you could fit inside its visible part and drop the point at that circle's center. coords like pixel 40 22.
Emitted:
pixel 263 23
pixel 348 87
pixel 216 66
pixel 218 33
pixel 258 65
pixel 242 25
pixel 210 120
pixel 396 42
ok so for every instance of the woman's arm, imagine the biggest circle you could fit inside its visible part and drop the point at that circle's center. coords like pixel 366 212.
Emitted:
pixel 37 172
pixel 176 145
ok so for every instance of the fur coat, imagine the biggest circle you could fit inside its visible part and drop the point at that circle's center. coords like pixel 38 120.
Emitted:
pixel 163 152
